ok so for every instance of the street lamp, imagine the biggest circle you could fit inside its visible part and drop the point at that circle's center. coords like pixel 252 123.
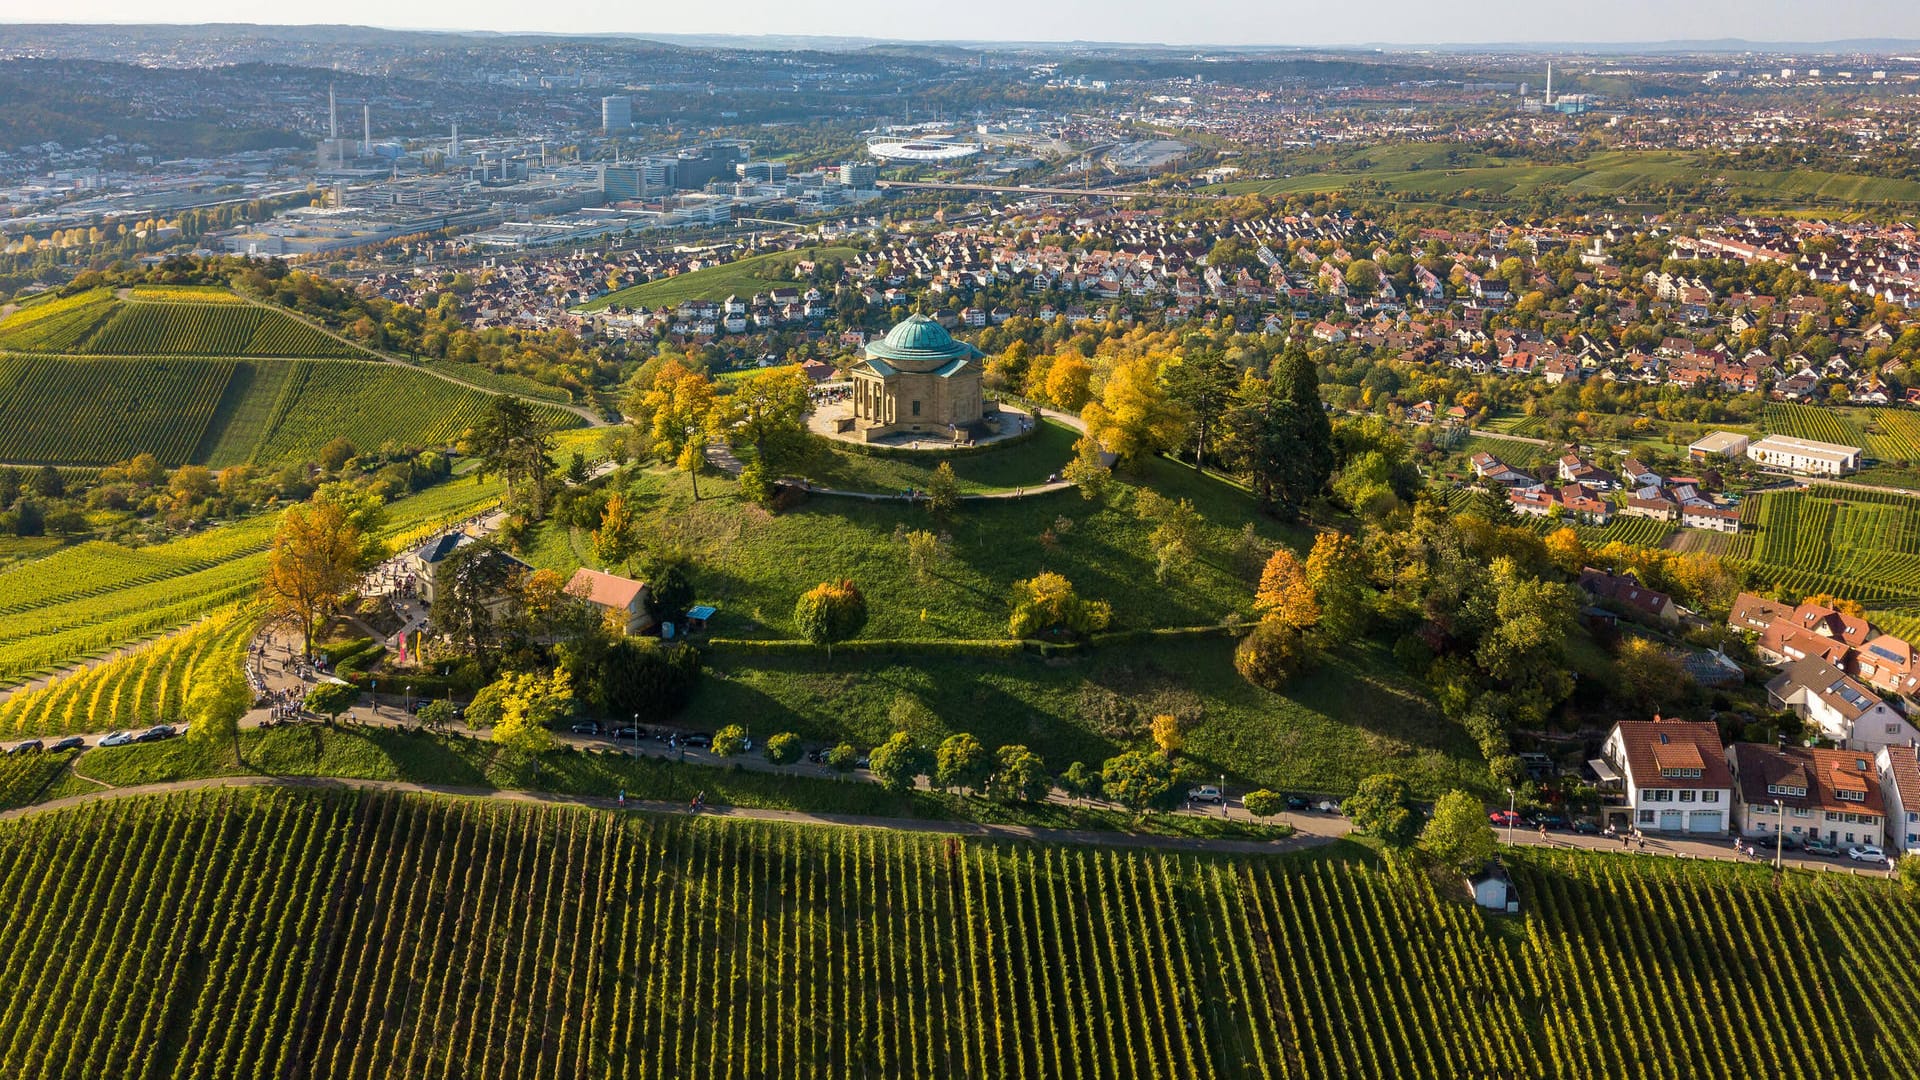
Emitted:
pixel 636 734
pixel 1511 797
pixel 1779 840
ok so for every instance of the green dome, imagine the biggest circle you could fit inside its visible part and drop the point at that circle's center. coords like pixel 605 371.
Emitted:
pixel 920 340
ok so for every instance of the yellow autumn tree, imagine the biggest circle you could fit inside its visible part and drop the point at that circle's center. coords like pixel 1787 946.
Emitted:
pixel 1134 417
pixel 1285 593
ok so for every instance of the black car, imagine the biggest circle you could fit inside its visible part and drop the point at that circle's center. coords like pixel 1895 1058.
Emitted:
pixel 26 747
pixel 1584 827
pixel 586 727
pixel 1550 821
pixel 71 742
pixel 1299 802
pixel 628 732
pixel 154 734
pixel 698 742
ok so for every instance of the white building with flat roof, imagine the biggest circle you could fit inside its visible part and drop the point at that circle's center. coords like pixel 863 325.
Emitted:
pixel 1719 444
pixel 1805 455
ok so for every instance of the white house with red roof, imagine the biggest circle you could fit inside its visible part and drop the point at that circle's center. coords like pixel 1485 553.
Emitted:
pixel 1675 773
pixel 1899 769
pixel 1803 791
pixel 621 599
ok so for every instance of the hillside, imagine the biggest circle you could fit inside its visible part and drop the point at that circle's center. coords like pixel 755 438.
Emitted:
pixel 756 273
pixel 162 321
pixel 75 410
pixel 264 932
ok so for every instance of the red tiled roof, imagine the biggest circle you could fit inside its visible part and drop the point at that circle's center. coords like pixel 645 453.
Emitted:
pixel 1648 746
pixel 606 590
pixel 1823 773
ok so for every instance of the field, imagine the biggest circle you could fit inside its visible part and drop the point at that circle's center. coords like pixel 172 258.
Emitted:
pixel 219 412
pixel 1855 544
pixel 170 322
pixel 1423 171
pixel 1515 452
pixel 252 933
pixel 89 599
pixel 756 273
pixel 1893 435
pixel 145 687
pixel 1519 424
pixel 1637 531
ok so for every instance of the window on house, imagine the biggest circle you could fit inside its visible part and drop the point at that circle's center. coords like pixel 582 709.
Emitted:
pixel 1709 796
pixel 1646 817
pixel 1688 795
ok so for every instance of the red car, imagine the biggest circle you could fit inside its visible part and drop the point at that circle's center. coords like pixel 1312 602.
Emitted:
pixel 1503 818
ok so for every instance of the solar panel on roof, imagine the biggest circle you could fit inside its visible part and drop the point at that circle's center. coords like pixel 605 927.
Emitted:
pixel 1885 653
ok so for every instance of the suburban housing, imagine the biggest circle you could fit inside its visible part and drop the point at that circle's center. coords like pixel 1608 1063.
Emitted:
pixel 1804 791
pixel 1675 774
pixel 1805 455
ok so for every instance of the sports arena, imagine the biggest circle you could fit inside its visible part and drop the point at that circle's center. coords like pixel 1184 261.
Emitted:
pixel 934 151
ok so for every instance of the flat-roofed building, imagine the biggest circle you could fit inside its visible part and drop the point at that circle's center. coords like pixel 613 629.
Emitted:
pixel 1805 455
pixel 1719 444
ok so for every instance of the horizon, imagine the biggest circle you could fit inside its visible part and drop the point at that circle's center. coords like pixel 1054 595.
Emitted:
pixel 1717 26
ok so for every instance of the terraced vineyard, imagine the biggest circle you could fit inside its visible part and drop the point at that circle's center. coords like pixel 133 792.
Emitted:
pixel 1856 544
pixel 99 410
pixel 285 933
pixel 1894 435
pixel 165 321
pixel 89 599
pixel 144 687
pixel 57 409
pixel 56 324
pixel 1812 422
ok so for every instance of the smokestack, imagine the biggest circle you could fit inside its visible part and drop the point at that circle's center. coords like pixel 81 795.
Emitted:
pixel 1549 84
pixel 366 129
pixel 333 115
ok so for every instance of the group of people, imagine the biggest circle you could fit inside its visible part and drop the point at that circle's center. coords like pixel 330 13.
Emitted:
pixel 1626 837
pixel 283 705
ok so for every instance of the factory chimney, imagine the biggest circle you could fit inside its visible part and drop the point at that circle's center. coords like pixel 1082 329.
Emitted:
pixel 1549 84
pixel 333 115
pixel 366 130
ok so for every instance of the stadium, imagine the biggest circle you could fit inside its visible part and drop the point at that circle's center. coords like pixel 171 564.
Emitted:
pixel 929 151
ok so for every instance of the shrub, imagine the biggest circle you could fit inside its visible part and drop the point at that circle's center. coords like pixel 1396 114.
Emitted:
pixel 729 741
pixel 1263 803
pixel 843 758
pixel 1273 654
pixel 784 748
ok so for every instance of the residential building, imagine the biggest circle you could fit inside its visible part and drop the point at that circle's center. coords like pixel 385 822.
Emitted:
pixel 623 601
pixel 1805 455
pixel 1626 592
pixel 1899 768
pixel 1803 791
pixel 1839 707
pixel 616 114
pixel 1675 774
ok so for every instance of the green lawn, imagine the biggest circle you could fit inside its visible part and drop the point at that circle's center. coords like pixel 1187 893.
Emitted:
pixel 1022 465
pixel 1356 716
pixel 755 565
pixel 756 273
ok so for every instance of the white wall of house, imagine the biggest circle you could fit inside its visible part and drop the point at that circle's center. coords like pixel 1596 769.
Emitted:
pixel 1903 822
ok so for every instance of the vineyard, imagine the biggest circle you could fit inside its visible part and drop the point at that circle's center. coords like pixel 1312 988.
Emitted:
pixel 1811 422
pixel 61 409
pixel 100 410
pixel 89 599
pixel 164 321
pixel 144 687
pixel 1893 435
pixel 24 776
pixel 56 325
pixel 1856 544
pixel 309 934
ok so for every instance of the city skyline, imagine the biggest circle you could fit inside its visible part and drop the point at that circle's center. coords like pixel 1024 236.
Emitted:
pixel 1216 24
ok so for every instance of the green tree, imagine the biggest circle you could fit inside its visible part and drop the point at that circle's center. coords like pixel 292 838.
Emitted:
pixel 943 492
pixel 1273 653
pixel 1379 809
pixel 1018 776
pixel 729 741
pixel 767 411
pixel 315 556
pixel 1337 573
pixel 330 699
pixel 1088 470
pixel 843 758
pixel 961 762
pixel 1280 435
pixel 1263 803
pixel 1137 779
pixel 214 708
pixel 898 762
pixel 784 748
pixel 1202 382
pixel 1459 836
pixel 514 443
pixel 530 704
pixel 669 586
pixel 831 612
pixel 436 715
pixel 1047 604
pixel 468 587
pixel 1080 782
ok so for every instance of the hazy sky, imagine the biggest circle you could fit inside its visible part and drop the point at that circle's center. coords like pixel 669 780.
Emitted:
pixel 1276 22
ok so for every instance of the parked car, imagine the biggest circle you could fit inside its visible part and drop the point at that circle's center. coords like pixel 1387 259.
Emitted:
pixel 1504 818
pixel 116 738
pixel 1768 842
pixel 1586 827
pixel 1866 853
pixel 1817 846
pixel 154 734
pixel 27 747
pixel 586 727
pixel 1551 821
pixel 71 742
pixel 1206 793
pixel 698 741
pixel 628 732
pixel 1299 802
